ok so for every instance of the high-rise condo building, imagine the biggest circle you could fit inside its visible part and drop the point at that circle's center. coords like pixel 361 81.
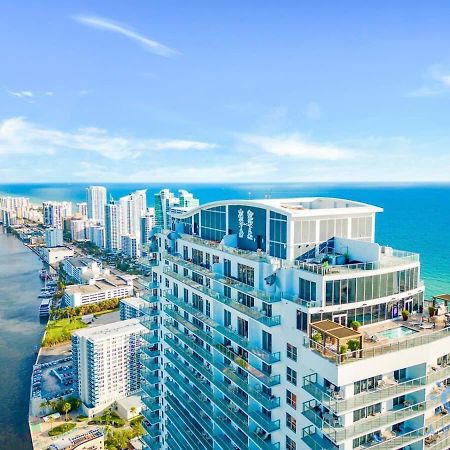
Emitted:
pixel 106 362
pixel 132 208
pixel 284 325
pixel 54 237
pixel 55 213
pixel 147 224
pixel 82 209
pixel 165 200
pixel 96 201
pixel 112 227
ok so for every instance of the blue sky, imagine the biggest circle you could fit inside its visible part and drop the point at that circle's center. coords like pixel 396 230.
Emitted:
pixel 201 91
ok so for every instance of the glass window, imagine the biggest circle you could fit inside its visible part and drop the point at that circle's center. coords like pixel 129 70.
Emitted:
pixel 291 352
pixel 291 423
pixel 246 274
pixel 291 399
pixel 291 375
pixel 290 444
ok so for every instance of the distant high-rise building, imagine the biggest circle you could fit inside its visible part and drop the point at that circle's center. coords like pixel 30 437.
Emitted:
pixel 186 199
pixel 106 363
pixel 54 237
pixel 96 234
pixel 96 201
pixel 55 213
pixel 132 208
pixel 131 246
pixel 78 229
pixel 147 223
pixel 82 209
pixel 112 226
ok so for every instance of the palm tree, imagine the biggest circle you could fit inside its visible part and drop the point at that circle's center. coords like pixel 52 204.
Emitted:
pixel 133 411
pixel 51 419
pixel 43 405
pixel 66 407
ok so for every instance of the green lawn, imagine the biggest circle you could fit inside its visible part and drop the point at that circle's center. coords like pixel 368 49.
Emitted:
pixel 60 331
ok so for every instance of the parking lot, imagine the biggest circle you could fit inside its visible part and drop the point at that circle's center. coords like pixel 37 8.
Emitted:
pixel 53 379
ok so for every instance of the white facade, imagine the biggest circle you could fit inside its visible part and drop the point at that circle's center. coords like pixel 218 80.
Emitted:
pixel 78 229
pixel 54 237
pixel 81 269
pixel 132 208
pixel 147 223
pixel 54 255
pixel 113 227
pixel 96 234
pixel 106 363
pixel 96 201
pixel 82 209
pixel 55 212
pixel 243 285
pixel 131 246
pixel 106 287
pixel 131 308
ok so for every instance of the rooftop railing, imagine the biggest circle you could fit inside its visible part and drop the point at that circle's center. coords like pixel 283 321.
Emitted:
pixel 408 342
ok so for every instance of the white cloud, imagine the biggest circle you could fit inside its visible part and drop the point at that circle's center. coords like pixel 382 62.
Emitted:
pixel 437 83
pixel 49 94
pixel 296 146
pixel 18 136
pixel 21 94
pixel 105 24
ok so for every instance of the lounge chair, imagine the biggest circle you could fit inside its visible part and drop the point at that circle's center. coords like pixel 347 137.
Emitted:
pixel 427 326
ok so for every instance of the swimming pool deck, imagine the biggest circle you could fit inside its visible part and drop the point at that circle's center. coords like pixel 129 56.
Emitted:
pixel 385 345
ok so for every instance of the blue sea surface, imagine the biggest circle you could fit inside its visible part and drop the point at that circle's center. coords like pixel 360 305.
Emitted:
pixel 415 217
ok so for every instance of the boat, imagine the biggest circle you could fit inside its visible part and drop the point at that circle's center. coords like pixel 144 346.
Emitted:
pixel 44 308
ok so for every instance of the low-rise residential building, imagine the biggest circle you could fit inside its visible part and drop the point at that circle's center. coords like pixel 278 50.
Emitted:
pixel 105 288
pixel 82 269
pixel 106 363
pixel 131 307
pixel 54 255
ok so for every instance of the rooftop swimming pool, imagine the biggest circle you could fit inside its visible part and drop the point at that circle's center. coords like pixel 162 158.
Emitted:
pixel 396 333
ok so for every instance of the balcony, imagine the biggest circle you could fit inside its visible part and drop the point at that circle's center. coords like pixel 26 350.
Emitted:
pixel 268 380
pixel 255 314
pixel 194 362
pixel 151 312
pixel 207 337
pixel 268 401
pixel 152 416
pixel 184 435
pixel 337 433
pixel 150 404
pixel 150 324
pixel 267 357
pixel 316 442
pixel 151 391
pixel 150 352
pixel 150 298
pixel 190 342
pixel 151 442
pixel 151 338
pixel 152 430
pixel 178 377
pixel 363 399
pixel 236 436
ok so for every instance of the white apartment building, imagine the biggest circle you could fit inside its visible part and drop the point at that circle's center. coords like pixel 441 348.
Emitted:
pixel 131 246
pixel 106 287
pixel 113 227
pixel 131 308
pixel 132 208
pixel 54 255
pixel 96 234
pixel 147 224
pixel 82 209
pixel 78 229
pixel 106 363
pixel 96 201
pixel 82 269
pixel 258 300
pixel 55 212
pixel 54 237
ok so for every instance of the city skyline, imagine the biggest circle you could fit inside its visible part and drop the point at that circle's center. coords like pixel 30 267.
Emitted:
pixel 231 93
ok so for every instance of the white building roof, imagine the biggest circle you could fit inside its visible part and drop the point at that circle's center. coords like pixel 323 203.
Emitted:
pixel 134 302
pixel 109 330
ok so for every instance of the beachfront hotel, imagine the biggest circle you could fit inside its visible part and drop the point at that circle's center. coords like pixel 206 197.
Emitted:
pixel 282 327
pixel 106 362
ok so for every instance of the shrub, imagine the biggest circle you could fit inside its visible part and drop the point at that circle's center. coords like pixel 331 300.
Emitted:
pixel 356 325
pixel 63 428
pixel 353 345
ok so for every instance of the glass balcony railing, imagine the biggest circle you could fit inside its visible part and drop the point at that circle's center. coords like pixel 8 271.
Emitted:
pixel 186 437
pixel 151 391
pixel 236 436
pixel 150 404
pixel 316 442
pixel 150 366
pixel 187 356
pixel 340 405
pixel 255 314
pixel 267 357
pixel 151 379
pixel 264 443
pixel 337 433
pixel 151 416
pixel 151 311
pixel 151 338
pixel 207 337
pixel 178 377
pixel 232 412
pixel 150 352
pixel 151 442
pixel 268 380
pixel 190 341
pixel 150 324
pixel 152 430
pixel 232 392
pixel 150 298
pixel 268 401
pixel 412 341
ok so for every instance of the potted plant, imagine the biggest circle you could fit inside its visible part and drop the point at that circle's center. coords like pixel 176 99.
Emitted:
pixel 317 338
pixel 343 351
pixel 353 346
pixel 356 325
pixel 431 311
pixel 405 314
